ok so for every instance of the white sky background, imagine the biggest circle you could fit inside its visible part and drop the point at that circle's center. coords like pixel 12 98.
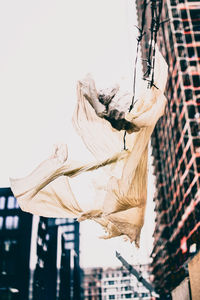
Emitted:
pixel 46 46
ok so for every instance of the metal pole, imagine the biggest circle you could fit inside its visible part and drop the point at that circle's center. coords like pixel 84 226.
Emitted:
pixel 134 272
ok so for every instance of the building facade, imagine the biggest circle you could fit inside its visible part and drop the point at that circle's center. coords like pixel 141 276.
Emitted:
pixel 176 143
pixel 56 275
pixel 91 283
pixel 15 242
pixel 57 272
pixel 114 283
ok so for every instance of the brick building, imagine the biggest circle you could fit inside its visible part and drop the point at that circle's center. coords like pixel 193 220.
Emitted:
pixel 176 143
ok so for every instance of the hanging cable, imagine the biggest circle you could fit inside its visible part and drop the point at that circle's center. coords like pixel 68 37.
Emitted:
pixel 139 39
pixel 156 10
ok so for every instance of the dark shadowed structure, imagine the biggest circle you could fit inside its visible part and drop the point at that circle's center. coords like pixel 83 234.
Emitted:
pixel 15 241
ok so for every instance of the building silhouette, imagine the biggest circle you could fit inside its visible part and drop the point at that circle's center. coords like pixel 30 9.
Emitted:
pixel 56 275
pixel 15 240
pixel 176 144
pixel 57 272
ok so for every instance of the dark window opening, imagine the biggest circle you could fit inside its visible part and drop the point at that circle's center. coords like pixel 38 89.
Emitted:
pixel 175 13
pixel 186 80
pixel 191 52
pixel 184 14
pixel 196 80
pixel 177 24
pixel 188 94
pixel 183 64
pixel 188 38
pixel 191 111
pixel 196 143
pixel 193 63
pixel 197 37
pixel 195 14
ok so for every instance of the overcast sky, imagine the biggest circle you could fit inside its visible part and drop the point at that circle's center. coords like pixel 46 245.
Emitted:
pixel 46 46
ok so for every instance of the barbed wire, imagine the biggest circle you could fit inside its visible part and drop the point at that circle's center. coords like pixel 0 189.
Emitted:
pixel 156 10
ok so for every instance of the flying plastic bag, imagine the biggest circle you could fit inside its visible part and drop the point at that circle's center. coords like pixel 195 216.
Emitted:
pixel 100 119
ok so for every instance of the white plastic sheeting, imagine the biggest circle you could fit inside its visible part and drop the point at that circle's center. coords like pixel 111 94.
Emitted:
pixel 120 195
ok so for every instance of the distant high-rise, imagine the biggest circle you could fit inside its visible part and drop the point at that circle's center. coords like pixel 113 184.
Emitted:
pixel 15 241
pixel 57 272
pixel 176 142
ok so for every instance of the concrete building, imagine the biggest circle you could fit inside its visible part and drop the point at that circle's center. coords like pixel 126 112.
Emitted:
pixel 118 283
pixel 15 241
pixel 56 275
pixel 176 145
pixel 114 283
pixel 57 272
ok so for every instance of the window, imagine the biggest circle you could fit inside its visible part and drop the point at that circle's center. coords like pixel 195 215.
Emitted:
pixel 68 228
pixel 12 222
pixel 39 241
pixel 191 111
pixel 7 245
pixel 196 80
pixel 111 282
pixel 183 64
pixel 111 296
pixel 41 263
pixel 188 94
pixel 70 220
pixel 69 236
pixel 128 296
pixel 191 52
pixel 9 221
pixel 69 245
pixel 2 202
pixel 12 203
pixel 125 281
pixel 60 221
pixel 15 222
pixel 186 80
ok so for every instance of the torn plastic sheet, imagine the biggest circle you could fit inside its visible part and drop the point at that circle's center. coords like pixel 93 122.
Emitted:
pixel 100 119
